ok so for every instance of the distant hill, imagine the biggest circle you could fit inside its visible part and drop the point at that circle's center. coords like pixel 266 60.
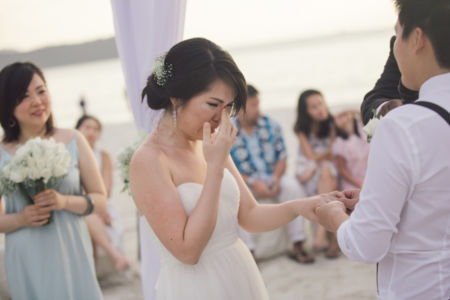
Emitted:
pixel 63 55
pixel 106 48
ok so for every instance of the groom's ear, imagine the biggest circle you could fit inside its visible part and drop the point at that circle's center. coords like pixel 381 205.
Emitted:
pixel 419 39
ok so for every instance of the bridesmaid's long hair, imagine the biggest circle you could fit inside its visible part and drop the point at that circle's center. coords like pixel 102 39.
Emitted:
pixel 14 81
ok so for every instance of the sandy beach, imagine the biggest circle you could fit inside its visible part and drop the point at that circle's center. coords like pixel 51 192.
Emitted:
pixel 285 279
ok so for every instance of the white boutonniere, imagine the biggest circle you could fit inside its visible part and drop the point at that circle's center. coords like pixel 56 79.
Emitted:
pixel 369 129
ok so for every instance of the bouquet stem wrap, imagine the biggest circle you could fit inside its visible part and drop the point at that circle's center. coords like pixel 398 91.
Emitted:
pixel 40 186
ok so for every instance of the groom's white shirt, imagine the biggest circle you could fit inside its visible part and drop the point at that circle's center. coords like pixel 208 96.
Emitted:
pixel 402 219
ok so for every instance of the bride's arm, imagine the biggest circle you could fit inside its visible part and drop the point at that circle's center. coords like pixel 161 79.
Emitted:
pixel 255 217
pixel 157 198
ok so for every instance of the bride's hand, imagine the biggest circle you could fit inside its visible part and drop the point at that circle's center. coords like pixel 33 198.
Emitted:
pixel 217 145
pixel 331 215
pixel 311 204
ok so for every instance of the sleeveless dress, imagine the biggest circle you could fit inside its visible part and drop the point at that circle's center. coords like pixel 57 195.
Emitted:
pixel 226 269
pixel 54 261
pixel 318 145
pixel 115 230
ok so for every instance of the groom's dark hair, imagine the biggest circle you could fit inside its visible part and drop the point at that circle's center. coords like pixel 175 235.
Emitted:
pixel 433 17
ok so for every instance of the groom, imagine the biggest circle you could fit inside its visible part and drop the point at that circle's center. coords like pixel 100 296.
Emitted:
pixel 402 220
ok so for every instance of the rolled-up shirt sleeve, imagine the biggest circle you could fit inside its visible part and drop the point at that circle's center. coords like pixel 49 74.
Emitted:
pixel 392 168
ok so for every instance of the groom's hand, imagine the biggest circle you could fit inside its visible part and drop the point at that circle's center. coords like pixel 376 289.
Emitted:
pixel 311 204
pixel 351 199
pixel 331 215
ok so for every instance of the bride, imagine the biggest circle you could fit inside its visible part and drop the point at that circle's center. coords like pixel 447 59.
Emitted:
pixel 184 182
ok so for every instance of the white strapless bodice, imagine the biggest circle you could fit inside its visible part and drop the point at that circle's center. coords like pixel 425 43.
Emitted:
pixel 225 256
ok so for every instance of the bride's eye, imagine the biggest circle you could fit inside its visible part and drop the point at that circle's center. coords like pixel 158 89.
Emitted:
pixel 213 104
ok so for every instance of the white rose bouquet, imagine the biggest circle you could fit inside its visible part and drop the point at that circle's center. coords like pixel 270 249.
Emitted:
pixel 37 165
pixel 124 159
pixel 369 129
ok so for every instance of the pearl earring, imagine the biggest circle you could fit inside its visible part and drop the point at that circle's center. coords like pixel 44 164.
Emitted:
pixel 174 116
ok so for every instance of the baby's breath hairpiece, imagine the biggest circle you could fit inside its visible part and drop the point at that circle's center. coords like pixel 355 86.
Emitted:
pixel 162 71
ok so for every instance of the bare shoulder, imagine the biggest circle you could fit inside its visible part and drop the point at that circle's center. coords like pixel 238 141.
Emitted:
pixel 303 139
pixel 81 140
pixel 148 156
pixel 150 177
pixel 64 135
pixel 8 147
pixel 301 135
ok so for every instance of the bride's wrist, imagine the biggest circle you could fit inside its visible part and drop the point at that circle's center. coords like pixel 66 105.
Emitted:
pixel 214 170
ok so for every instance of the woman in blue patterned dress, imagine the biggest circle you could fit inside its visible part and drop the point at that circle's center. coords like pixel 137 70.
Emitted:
pixel 47 261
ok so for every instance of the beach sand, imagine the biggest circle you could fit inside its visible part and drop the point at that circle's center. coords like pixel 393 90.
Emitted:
pixel 285 279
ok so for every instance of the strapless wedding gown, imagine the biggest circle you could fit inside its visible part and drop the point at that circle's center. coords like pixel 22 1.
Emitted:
pixel 226 269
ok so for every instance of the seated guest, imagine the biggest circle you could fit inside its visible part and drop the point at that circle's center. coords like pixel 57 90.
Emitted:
pixel 105 228
pixel 350 150
pixel 260 155
pixel 316 132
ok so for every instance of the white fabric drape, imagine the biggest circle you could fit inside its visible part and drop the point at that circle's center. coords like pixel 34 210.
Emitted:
pixel 145 29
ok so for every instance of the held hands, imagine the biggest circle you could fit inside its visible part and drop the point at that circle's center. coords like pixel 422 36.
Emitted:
pixel 351 198
pixel 333 213
pixel 312 204
pixel 217 145
pixel 328 214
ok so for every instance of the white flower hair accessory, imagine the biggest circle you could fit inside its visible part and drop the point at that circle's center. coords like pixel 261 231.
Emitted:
pixel 162 71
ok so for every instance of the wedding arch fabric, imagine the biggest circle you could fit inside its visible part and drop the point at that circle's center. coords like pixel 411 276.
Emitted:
pixel 145 29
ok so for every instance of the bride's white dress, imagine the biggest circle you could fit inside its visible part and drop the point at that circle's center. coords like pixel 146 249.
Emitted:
pixel 226 269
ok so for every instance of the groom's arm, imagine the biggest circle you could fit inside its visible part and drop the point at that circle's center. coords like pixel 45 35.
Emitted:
pixel 367 234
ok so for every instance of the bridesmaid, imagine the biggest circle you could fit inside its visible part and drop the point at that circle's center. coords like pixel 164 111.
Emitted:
pixel 53 261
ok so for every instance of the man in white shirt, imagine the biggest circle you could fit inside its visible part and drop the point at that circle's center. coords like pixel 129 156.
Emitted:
pixel 402 219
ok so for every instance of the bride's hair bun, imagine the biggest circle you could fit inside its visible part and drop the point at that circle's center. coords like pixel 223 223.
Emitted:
pixel 157 96
pixel 188 69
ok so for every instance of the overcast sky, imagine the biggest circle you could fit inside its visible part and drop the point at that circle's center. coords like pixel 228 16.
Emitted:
pixel 31 24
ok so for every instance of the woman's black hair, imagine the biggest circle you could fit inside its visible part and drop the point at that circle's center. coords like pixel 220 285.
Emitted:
pixel 304 120
pixel 341 133
pixel 14 81
pixel 188 69
pixel 86 117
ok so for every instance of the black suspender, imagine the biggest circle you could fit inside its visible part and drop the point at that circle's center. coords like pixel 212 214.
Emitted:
pixel 439 110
